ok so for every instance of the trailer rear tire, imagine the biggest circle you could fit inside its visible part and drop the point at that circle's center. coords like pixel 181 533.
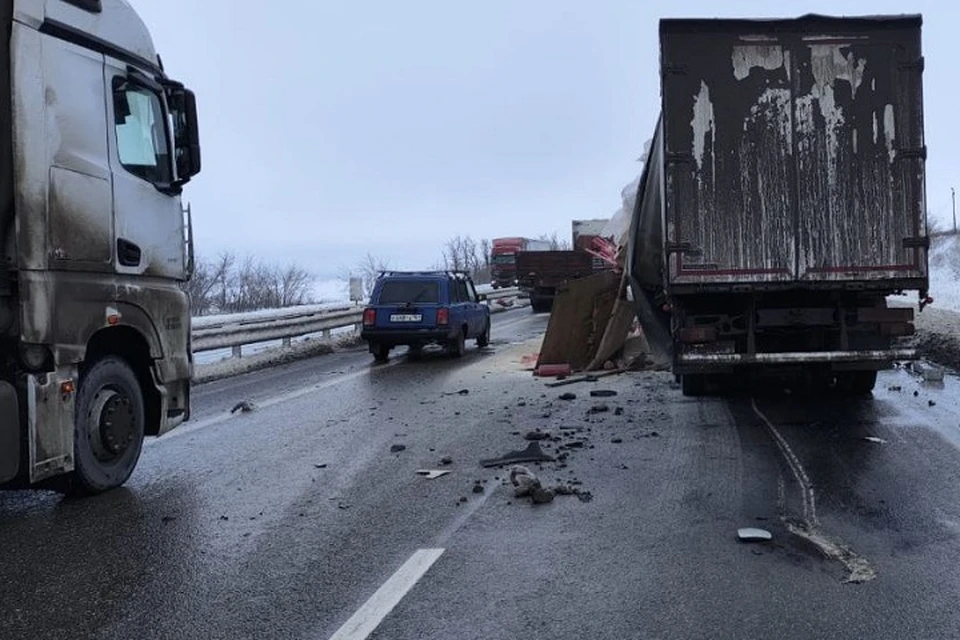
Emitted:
pixel 856 383
pixel 109 431
pixel 693 385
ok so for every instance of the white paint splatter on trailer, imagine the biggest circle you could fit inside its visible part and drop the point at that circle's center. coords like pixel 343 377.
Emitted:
pixel 889 131
pixel 829 64
pixel 748 57
pixel 703 123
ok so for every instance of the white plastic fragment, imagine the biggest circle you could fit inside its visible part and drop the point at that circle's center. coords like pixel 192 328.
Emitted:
pixel 875 439
pixel 749 534
pixel 432 474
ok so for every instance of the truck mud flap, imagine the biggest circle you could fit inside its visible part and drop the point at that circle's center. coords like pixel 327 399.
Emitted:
pixel 9 433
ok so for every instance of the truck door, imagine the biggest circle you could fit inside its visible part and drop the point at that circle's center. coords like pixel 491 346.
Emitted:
pixel 794 150
pixel 860 154
pixel 149 232
pixel 729 183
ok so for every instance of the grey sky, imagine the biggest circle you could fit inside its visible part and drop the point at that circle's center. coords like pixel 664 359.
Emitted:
pixel 330 129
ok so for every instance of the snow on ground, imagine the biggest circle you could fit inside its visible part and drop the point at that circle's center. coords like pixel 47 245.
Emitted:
pixel 945 272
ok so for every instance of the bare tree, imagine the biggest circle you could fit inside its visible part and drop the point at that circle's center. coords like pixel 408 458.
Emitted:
pixel 462 253
pixel 556 244
pixel 200 287
pixel 294 283
pixel 369 269
pixel 485 250
pixel 227 286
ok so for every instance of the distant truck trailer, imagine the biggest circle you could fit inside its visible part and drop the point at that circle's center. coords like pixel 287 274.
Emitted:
pixel 783 199
pixel 503 258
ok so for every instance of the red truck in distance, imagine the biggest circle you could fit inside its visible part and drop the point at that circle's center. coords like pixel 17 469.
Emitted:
pixel 503 258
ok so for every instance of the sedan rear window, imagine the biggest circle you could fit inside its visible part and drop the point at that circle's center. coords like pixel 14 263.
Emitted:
pixel 403 291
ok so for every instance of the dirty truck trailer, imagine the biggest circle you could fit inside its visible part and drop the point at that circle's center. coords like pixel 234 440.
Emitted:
pixel 783 198
pixel 95 145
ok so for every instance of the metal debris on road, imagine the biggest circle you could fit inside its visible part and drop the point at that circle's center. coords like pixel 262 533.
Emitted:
pixel 537 435
pixel 397 448
pixel 541 496
pixel 244 406
pixel 616 440
pixel 445 460
pixel 432 474
pixel 875 439
pixel 533 453
pixel 320 466
pixel 750 534
pixel 593 377
pixel 602 393
pixel 568 396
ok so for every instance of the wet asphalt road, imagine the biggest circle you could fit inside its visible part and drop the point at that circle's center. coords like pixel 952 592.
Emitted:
pixel 284 522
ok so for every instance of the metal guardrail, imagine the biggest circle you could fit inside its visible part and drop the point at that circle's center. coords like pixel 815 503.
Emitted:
pixel 238 331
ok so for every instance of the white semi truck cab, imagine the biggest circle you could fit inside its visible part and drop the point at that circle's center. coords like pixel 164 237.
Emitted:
pixel 96 143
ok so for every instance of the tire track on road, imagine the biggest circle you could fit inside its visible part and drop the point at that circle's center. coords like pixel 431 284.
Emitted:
pixel 859 569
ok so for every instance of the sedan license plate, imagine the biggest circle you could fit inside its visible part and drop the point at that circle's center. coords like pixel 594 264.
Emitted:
pixel 406 317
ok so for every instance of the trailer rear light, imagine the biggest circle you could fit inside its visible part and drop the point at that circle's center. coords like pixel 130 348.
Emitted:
pixel 443 316
pixel 698 334
pixel 369 317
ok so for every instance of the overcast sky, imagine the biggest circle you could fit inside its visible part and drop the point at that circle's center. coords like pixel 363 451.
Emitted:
pixel 333 128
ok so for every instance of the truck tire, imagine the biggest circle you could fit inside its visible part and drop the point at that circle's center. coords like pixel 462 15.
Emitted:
pixel 381 352
pixel 856 383
pixel 539 305
pixel 693 385
pixel 484 338
pixel 458 346
pixel 109 429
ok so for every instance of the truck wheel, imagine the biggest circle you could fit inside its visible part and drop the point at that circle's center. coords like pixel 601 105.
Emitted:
pixel 381 352
pixel 856 383
pixel 458 345
pixel 484 338
pixel 108 435
pixel 693 385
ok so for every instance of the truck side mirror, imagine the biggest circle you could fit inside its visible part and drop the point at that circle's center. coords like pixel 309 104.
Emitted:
pixel 183 108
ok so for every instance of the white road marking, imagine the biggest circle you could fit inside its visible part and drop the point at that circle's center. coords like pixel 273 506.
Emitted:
pixel 368 617
pixel 858 567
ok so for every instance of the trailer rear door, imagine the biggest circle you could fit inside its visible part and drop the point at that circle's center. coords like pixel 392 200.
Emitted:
pixel 794 149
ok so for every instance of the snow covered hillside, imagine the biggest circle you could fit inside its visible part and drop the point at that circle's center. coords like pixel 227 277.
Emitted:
pixel 945 272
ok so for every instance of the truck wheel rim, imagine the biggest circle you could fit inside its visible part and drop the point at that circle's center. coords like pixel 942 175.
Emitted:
pixel 111 423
